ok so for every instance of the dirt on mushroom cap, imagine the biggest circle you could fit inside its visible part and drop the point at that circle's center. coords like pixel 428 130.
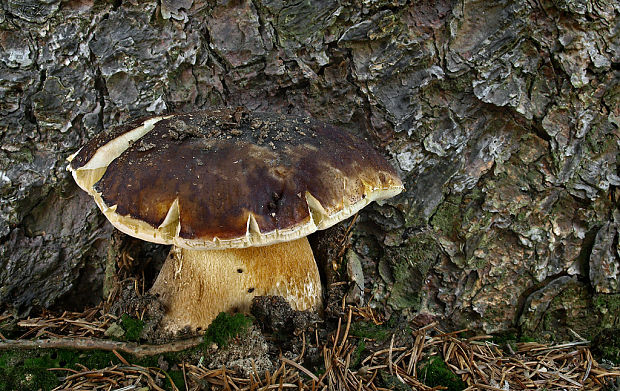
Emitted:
pixel 234 179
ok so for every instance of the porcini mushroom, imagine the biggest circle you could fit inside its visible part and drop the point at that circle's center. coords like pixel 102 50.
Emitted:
pixel 235 193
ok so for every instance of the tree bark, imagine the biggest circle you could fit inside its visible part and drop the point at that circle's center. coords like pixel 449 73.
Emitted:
pixel 503 118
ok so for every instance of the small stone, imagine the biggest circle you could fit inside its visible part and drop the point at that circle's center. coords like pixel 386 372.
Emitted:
pixel 162 363
pixel 114 331
pixel 356 275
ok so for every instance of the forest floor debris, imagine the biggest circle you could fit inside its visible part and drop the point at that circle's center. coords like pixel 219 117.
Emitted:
pixel 430 360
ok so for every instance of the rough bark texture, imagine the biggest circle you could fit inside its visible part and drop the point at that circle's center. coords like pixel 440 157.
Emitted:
pixel 502 116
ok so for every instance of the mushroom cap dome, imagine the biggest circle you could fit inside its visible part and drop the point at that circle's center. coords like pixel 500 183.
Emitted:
pixel 230 178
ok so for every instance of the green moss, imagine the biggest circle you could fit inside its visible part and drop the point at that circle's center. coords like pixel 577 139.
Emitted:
pixel 609 308
pixel 10 329
pixel 20 378
pixel 177 378
pixel 226 326
pixel 363 329
pixel 434 372
pixel 319 370
pixel 611 352
pixel 607 344
pixel 392 382
pixel 132 326
pixel 510 338
pixel 447 217
pixel 570 309
pixel 413 218
pixel 56 359
pixel 409 266
pixel 356 356
pixel 28 369
pixel 22 156
pixel 449 84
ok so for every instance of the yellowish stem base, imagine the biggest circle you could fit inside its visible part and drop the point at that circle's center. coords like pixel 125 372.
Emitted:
pixel 196 285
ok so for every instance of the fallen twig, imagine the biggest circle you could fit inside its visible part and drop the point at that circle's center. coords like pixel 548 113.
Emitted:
pixel 138 350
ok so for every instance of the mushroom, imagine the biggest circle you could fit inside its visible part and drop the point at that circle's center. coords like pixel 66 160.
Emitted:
pixel 235 193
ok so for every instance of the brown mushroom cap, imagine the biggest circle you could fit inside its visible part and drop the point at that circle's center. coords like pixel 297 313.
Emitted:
pixel 226 179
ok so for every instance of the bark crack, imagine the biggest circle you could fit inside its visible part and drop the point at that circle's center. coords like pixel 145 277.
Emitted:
pixel 522 301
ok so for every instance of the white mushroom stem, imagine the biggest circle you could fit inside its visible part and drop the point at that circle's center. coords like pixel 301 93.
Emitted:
pixel 196 285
